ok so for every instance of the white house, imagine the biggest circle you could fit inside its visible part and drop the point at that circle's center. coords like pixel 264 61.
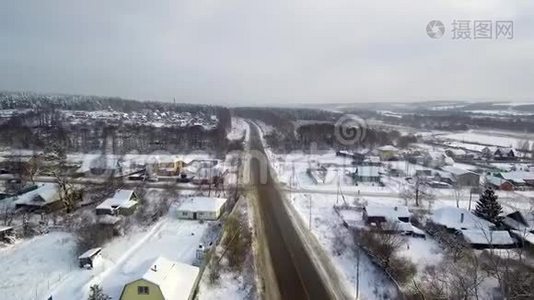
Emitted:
pixel 201 208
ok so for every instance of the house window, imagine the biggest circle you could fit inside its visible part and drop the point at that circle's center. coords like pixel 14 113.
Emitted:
pixel 184 213
pixel 142 290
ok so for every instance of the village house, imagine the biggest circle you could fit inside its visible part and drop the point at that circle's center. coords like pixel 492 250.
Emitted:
pixel 463 177
pixel 381 214
pixel 366 174
pixel 387 152
pixel 123 202
pixel 498 183
pixel 520 220
pixel 459 154
pixel 477 232
pixel 102 165
pixel 436 159
pixel 485 239
pixel 164 280
pixel 520 179
pixel 46 198
pixel 504 154
pixel 201 208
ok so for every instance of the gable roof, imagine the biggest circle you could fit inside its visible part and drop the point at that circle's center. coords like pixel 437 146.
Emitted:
pixel 45 194
pixel 175 280
pixel 121 198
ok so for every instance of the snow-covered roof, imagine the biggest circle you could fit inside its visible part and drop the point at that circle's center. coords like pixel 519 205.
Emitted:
pixel 457 152
pixel 497 181
pixel 455 170
pixel 108 162
pixel 518 176
pixel 512 176
pixel 120 199
pixel 367 171
pixel 387 148
pixel 90 253
pixel 175 279
pixel 484 236
pixel 389 212
pixel 195 204
pixel 5 228
pixel 44 194
pixel 525 235
pixel 451 217
pixel 526 216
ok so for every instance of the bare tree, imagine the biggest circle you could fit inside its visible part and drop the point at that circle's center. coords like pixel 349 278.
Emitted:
pixel 458 192
pixel 418 191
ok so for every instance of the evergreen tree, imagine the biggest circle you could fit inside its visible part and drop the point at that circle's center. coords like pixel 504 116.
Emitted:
pixel 96 293
pixel 488 207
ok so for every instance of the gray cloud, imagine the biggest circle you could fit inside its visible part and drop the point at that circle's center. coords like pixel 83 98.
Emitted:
pixel 249 52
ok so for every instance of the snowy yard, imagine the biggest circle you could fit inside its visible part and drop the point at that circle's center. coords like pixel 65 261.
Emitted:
pixel 31 267
pixel 47 265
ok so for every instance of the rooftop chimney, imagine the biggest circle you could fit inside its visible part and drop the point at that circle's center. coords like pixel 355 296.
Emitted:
pixel 461 217
pixel 154 268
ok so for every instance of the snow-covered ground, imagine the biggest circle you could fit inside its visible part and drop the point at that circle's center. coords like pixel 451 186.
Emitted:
pixel 32 267
pixel 327 226
pixel 47 265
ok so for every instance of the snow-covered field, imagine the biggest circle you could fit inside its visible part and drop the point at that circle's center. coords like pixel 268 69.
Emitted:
pixel 484 139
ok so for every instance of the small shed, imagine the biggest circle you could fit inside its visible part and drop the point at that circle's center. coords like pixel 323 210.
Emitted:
pixel 201 208
pixel 87 259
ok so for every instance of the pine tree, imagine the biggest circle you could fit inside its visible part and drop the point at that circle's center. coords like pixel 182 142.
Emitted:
pixel 96 293
pixel 488 207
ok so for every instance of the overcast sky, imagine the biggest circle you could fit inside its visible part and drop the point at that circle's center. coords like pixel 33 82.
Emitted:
pixel 252 52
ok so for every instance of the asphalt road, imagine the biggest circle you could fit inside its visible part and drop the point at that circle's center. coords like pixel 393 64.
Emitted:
pixel 296 275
